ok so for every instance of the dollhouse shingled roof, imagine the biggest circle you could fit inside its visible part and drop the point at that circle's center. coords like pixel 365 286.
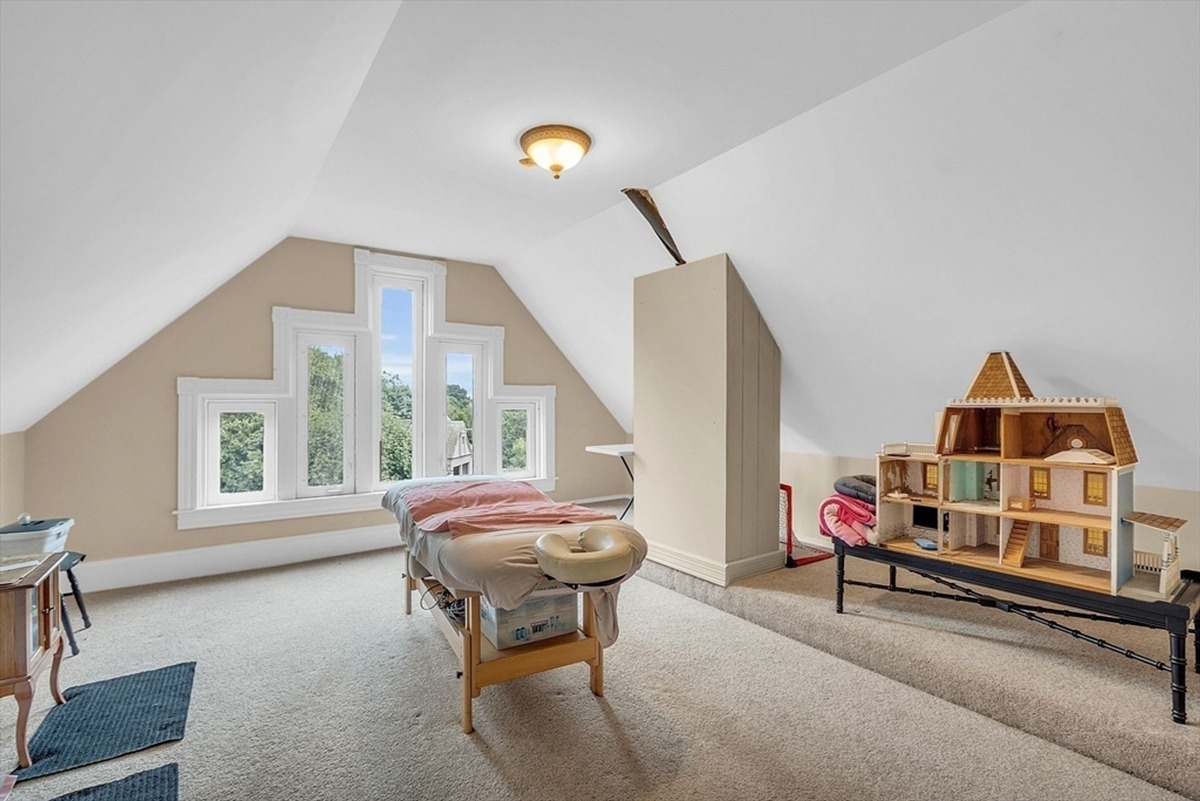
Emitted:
pixel 1118 432
pixel 999 378
pixel 1160 522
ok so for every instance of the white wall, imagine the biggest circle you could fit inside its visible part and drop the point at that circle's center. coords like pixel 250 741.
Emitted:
pixel 1033 186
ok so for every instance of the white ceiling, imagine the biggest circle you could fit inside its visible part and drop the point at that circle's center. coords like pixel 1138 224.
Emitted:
pixel 150 151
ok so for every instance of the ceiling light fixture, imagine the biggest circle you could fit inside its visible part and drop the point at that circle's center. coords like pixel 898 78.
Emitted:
pixel 554 147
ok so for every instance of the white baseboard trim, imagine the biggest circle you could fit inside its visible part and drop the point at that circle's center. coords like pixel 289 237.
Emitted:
pixel 819 543
pixel 753 565
pixel 684 562
pixel 134 571
pixel 719 573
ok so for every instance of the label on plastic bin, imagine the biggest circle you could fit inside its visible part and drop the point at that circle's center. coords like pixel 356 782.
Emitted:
pixel 536 619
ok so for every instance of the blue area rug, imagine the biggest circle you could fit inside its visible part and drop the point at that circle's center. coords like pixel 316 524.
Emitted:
pixel 111 718
pixel 159 784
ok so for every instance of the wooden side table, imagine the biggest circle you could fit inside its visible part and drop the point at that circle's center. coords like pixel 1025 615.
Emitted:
pixel 30 634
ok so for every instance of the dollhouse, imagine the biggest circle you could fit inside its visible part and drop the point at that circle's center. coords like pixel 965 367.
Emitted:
pixel 1040 487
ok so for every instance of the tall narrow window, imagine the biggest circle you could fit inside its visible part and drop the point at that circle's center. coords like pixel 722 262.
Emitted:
pixel 241 452
pixel 1095 542
pixel 326 415
pixel 325 419
pixel 931 478
pixel 514 442
pixel 396 331
pixel 1095 489
pixel 1039 482
pixel 460 413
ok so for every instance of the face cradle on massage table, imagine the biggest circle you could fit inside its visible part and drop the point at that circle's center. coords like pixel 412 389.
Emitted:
pixel 602 555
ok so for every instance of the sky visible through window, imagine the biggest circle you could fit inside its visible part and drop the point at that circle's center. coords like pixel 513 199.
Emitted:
pixel 396 333
pixel 460 370
pixel 396 343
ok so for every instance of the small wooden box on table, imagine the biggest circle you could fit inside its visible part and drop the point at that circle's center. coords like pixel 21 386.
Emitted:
pixel 483 664
pixel 30 636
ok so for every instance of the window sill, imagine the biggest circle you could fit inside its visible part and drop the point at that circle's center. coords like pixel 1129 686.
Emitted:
pixel 237 514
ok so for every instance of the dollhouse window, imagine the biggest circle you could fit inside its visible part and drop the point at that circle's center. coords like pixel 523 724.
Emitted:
pixel 1039 482
pixel 931 478
pixel 1095 489
pixel 1095 542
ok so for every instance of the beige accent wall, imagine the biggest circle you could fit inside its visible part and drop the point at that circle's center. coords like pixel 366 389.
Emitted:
pixel 706 420
pixel 108 456
pixel 12 476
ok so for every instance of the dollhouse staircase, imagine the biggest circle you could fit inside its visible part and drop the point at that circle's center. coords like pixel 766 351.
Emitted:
pixel 1014 551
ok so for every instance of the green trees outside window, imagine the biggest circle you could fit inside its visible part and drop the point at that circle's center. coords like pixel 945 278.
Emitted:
pixel 241 452
pixel 514 430
pixel 326 416
pixel 395 452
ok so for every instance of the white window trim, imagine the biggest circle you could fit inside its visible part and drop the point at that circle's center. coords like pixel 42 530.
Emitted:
pixel 371 269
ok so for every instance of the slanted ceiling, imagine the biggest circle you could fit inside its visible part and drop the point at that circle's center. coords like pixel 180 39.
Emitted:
pixel 905 186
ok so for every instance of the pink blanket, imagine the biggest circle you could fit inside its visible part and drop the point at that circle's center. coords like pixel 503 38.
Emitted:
pixel 490 506
pixel 848 519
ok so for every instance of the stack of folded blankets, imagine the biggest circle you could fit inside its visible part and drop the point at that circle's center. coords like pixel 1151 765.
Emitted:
pixel 849 514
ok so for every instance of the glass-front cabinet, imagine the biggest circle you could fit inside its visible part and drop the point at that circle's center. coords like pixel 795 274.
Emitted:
pixel 31 634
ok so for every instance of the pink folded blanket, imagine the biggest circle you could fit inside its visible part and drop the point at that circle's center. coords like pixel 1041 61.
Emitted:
pixel 848 519
pixel 490 506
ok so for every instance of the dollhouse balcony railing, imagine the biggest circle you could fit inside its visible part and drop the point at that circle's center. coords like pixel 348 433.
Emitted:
pixel 1147 562
pixel 907 449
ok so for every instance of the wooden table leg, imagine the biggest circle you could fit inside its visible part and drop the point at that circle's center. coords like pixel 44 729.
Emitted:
pixel 596 665
pixel 467 678
pixel 471 650
pixel 410 583
pixel 23 690
pixel 54 666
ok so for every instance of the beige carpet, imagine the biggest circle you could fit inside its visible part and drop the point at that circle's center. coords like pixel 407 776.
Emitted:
pixel 1064 690
pixel 312 684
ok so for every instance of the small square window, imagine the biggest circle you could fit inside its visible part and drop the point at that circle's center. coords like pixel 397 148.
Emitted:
pixel 1095 489
pixel 1039 482
pixel 1095 542
pixel 240 452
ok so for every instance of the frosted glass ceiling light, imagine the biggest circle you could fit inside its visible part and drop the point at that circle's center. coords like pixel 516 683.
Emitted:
pixel 555 147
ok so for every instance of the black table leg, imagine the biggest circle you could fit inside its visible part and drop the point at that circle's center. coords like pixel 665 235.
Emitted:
pixel 1178 675
pixel 628 470
pixel 87 622
pixel 66 624
pixel 841 576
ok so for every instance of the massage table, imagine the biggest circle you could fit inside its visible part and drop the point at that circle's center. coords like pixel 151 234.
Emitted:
pixel 508 566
